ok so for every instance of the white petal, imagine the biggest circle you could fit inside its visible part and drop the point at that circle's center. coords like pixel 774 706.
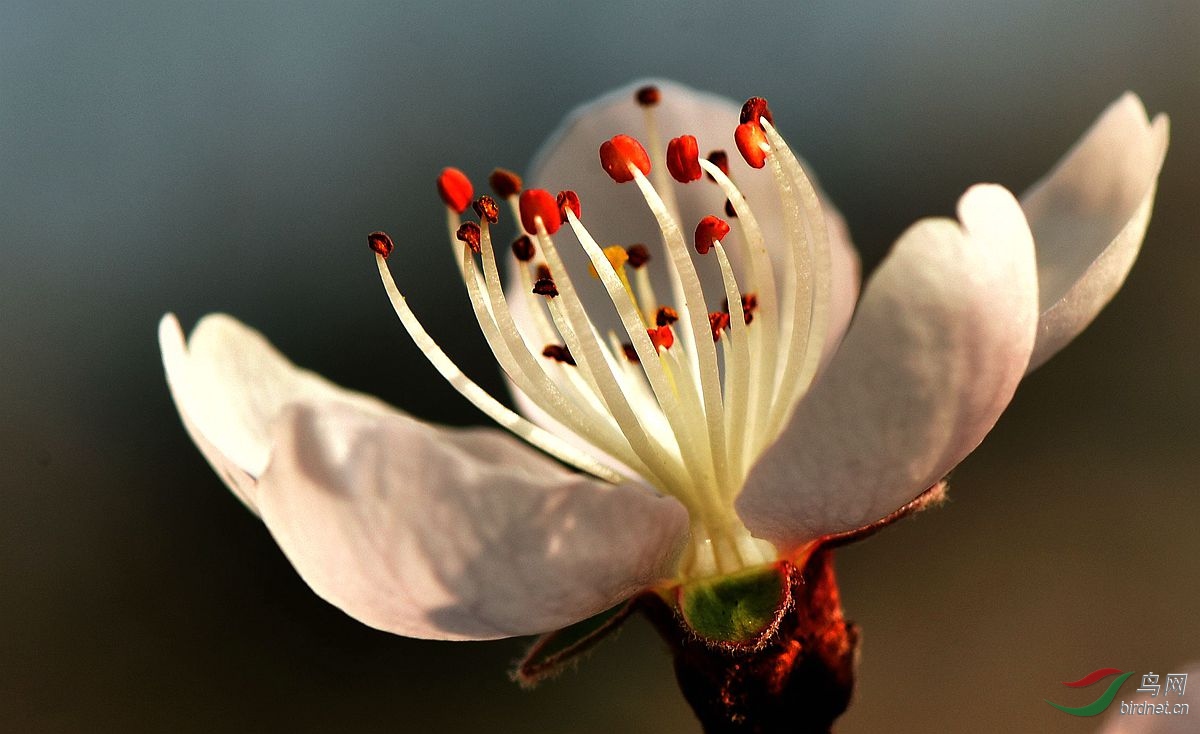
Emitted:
pixel 615 213
pixel 230 384
pixel 934 353
pixel 442 534
pixel 1088 218
pixel 175 363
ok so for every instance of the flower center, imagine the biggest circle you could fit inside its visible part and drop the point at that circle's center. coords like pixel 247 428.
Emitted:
pixel 687 396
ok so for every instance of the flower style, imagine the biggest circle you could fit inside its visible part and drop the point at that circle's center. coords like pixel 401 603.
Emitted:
pixel 705 438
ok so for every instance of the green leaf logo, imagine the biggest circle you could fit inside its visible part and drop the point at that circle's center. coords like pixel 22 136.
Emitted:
pixel 1100 703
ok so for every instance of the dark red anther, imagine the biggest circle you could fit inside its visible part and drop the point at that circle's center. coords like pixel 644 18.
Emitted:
pixel 630 353
pixel 469 233
pixel 720 159
pixel 683 159
pixel 648 96
pixel 750 139
pixel 749 306
pixel 455 189
pixel 618 154
pixel 665 316
pixel 710 230
pixel 729 210
pixel 718 321
pixel 504 183
pixel 569 200
pixel 523 249
pixel 485 207
pixel 558 353
pixel 638 255
pixel 662 337
pixel 545 287
pixel 543 272
pixel 755 109
pixel 381 243
pixel 538 203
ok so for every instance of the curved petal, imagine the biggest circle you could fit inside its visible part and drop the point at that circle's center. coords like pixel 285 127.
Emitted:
pixel 616 213
pixel 937 347
pixel 230 385
pixel 1089 216
pixel 175 363
pixel 443 534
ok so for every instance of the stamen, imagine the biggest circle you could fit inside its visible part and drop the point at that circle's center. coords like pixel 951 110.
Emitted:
pixel 648 96
pixel 485 208
pixel 504 183
pixel 720 159
pixel 569 200
pixel 662 337
pixel 479 397
pixel 455 189
pixel 729 210
pixel 539 204
pixel 559 353
pixel 523 249
pixel 545 287
pixel 618 155
pixel 718 321
pixel 630 353
pixel 710 229
pixel 737 373
pixel 381 243
pixel 665 316
pixel 751 143
pixel 755 109
pixel 617 257
pixel 683 159
pixel 468 232
pixel 638 255
pixel 696 320
pixel 543 272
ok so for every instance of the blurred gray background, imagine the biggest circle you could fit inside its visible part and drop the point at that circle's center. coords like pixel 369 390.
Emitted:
pixel 231 156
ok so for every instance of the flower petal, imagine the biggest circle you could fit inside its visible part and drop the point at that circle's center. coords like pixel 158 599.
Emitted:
pixel 615 213
pixel 175 363
pixel 936 349
pixel 1089 216
pixel 230 385
pixel 455 534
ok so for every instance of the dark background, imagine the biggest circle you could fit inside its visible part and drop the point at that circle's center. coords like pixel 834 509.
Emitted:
pixel 231 156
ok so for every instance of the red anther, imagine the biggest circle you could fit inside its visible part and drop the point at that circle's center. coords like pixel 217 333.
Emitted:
pixel 381 243
pixel 729 210
pixel 709 230
pixel 569 200
pixel 630 353
pixel 469 233
pixel 718 321
pixel 485 207
pixel 750 138
pixel 648 96
pixel 504 183
pixel 618 154
pixel 523 249
pixel 661 338
pixel 665 316
pixel 543 272
pixel 755 109
pixel 683 159
pixel 455 189
pixel 720 159
pixel 749 306
pixel 558 353
pixel 539 203
pixel 545 287
pixel 638 255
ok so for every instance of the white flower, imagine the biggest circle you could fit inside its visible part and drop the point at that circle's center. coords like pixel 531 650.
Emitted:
pixel 698 458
